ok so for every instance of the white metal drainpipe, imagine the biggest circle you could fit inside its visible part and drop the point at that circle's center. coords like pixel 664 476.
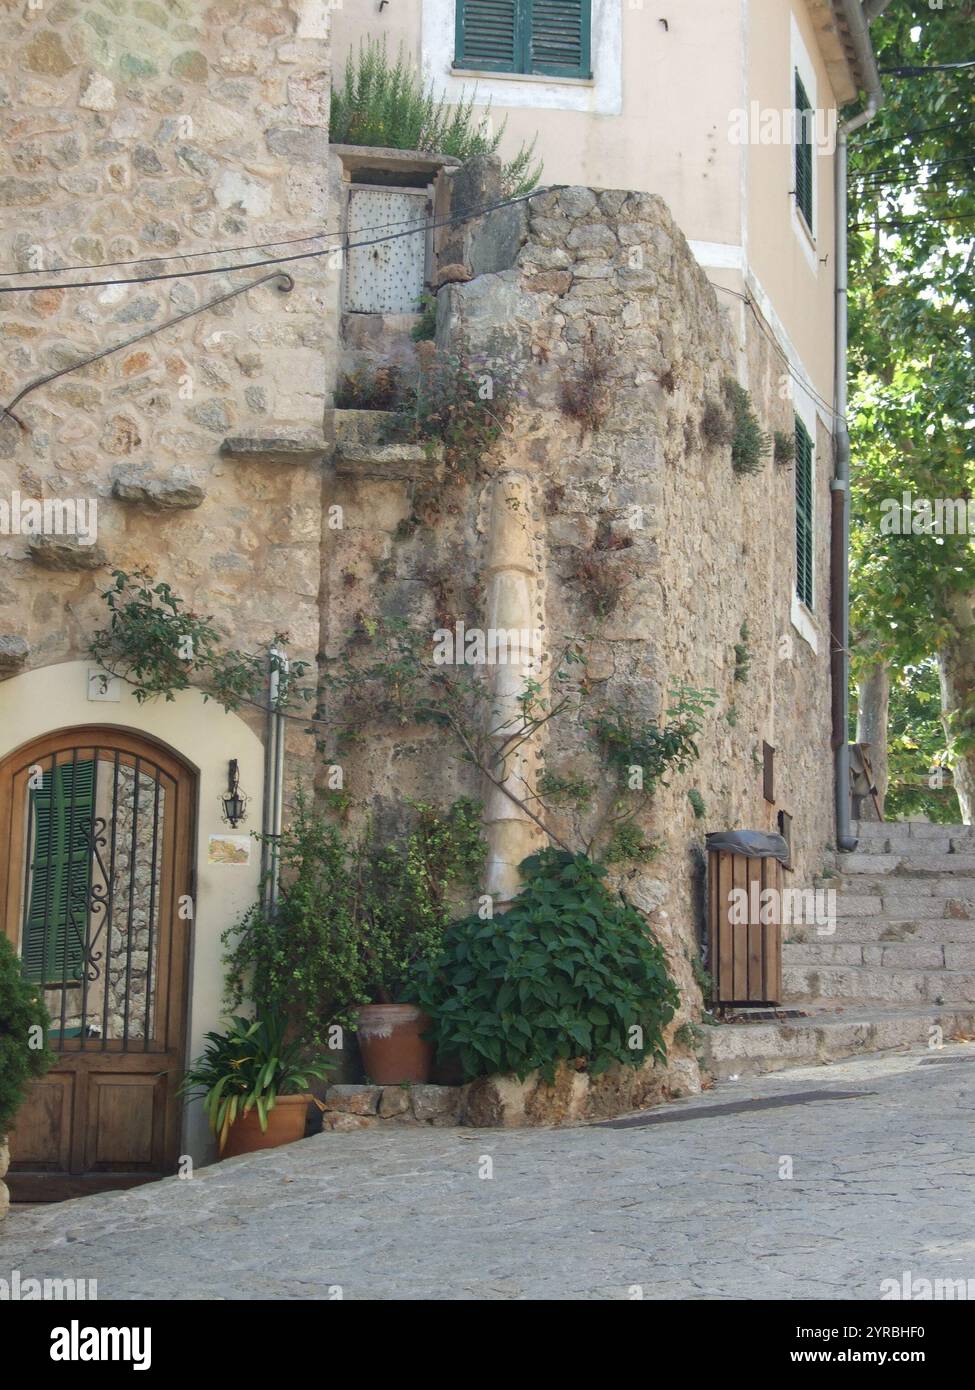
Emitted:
pixel 857 17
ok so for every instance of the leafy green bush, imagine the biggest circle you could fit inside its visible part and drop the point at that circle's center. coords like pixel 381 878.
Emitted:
pixel 354 916
pixel 23 1035
pixel 386 104
pixel 247 1067
pixel 568 971
pixel 159 646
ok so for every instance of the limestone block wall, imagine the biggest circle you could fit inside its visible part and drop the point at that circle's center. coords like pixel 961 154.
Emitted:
pixel 606 280
pixel 635 535
pixel 127 133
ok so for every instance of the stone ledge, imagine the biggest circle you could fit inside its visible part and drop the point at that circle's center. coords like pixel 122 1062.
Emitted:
pixel 14 651
pixel 304 447
pixel 388 461
pixel 363 1107
pixel 159 494
pixel 505 1102
pixel 65 553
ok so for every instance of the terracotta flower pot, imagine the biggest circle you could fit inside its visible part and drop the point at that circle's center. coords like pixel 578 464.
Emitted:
pixel 285 1124
pixel 390 1043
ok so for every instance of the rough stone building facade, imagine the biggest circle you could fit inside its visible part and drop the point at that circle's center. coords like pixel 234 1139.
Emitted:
pixel 215 452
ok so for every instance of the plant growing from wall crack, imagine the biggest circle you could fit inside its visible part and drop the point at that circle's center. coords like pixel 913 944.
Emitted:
pixel 159 647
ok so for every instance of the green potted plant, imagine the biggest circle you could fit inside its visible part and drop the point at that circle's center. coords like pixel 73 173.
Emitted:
pixel 357 917
pixel 255 1085
pixel 24 1054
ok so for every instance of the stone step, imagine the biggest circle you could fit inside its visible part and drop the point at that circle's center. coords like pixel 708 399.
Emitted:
pixel 902 906
pixel 877 982
pixel 911 861
pixel 887 885
pixel 749 1049
pixel 902 831
pixel 878 930
pixel 365 426
pixel 915 955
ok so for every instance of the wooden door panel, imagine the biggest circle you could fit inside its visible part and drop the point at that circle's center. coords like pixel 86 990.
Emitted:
pixel 41 1137
pixel 108 1112
pixel 125 1122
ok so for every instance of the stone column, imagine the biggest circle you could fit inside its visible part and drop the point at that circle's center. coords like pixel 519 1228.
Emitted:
pixel 511 581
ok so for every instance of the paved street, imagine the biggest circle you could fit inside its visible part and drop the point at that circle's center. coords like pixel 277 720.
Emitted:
pixel 883 1182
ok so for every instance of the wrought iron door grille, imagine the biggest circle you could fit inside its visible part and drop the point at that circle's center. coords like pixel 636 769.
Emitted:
pixel 96 931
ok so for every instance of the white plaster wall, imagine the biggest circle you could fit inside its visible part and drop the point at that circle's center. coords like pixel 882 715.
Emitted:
pixel 205 736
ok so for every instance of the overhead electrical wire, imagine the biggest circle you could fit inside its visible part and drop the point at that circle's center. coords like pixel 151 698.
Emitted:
pixel 412 229
pixel 860 176
pixel 211 251
pixel 913 134
pixel 933 67
pixel 766 332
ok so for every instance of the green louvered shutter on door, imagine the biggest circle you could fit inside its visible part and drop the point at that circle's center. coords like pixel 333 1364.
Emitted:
pixel 804 154
pixel 804 514
pixel 526 36
pixel 560 37
pixel 489 35
pixel 60 874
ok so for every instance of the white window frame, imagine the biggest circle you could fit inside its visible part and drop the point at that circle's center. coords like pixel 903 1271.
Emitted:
pixel 601 94
pixel 801 62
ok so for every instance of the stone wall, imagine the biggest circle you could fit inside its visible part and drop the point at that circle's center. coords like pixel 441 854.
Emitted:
pixel 638 536
pixel 610 274
pixel 143 131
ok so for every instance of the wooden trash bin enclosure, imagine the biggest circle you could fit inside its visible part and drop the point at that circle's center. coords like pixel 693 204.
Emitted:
pixel 744 919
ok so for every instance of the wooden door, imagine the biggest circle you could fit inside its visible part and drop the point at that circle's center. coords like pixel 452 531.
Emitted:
pixel 96 836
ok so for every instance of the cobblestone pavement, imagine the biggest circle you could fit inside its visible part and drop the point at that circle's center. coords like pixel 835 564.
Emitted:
pixel 691 1205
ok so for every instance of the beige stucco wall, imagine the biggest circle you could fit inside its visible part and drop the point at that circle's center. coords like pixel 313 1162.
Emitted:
pixel 56 697
pixel 657 118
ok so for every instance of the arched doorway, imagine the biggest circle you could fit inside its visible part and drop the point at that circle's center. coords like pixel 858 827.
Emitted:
pixel 96 864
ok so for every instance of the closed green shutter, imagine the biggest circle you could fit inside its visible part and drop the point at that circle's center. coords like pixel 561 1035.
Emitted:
pixel 804 154
pixel 804 514
pixel 525 36
pixel 489 35
pixel 560 37
pixel 55 925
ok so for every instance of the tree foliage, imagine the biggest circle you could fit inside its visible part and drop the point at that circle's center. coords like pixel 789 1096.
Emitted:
pixel 912 220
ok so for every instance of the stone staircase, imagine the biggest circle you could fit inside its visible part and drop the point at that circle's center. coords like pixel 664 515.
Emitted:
pixel 898 971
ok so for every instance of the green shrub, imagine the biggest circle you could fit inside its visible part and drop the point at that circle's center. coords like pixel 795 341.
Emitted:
pixel 568 971
pixel 629 845
pixel 749 442
pixel 654 748
pixel 385 103
pixel 24 1054
pixel 354 916
pixel 697 803
pixel 784 447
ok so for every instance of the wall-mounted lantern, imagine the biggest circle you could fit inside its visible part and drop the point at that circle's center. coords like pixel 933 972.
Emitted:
pixel 234 801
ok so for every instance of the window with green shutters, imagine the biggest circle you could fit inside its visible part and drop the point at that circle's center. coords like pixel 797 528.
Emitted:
pixel 548 37
pixel 804 154
pixel 804 514
pixel 53 945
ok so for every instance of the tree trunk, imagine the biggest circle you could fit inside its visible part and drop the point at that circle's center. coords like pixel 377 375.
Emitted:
pixel 956 668
pixel 873 698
